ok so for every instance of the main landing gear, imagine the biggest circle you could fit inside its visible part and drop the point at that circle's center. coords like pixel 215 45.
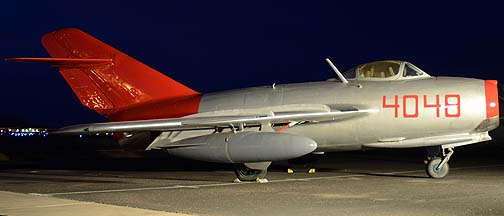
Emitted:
pixel 251 172
pixel 437 165
pixel 244 173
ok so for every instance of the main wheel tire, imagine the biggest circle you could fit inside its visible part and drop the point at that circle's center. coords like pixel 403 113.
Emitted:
pixel 434 172
pixel 244 173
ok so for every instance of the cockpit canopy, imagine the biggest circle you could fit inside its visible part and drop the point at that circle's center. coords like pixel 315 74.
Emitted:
pixel 385 71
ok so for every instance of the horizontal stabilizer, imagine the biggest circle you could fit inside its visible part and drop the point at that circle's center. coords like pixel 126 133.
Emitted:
pixel 62 62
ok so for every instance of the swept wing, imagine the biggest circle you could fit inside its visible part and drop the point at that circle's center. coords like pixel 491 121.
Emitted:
pixel 215 120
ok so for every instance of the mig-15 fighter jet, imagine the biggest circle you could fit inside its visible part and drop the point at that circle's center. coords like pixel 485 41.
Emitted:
pixel 384 104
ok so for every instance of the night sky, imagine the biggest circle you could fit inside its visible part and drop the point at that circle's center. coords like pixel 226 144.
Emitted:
pixel 214 45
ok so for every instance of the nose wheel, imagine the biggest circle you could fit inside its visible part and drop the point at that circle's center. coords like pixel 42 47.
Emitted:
pixel 437 167
pixel 436 170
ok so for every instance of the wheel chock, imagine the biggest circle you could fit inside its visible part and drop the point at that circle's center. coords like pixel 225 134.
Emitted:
pixel 290 171
pixel 263 180
pixel 237 180
pixel 311 171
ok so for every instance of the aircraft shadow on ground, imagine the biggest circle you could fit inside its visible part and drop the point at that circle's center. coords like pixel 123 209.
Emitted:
pixel 390 175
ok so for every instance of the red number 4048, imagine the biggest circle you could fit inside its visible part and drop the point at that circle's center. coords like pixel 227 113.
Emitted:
pixel 451 105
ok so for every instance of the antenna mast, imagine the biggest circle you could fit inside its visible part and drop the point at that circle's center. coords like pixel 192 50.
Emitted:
pixel 340 75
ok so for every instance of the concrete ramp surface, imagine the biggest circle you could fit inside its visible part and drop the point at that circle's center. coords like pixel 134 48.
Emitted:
pixel 27 205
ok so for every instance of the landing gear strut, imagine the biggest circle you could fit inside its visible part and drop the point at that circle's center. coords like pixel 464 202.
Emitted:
pixel 437 166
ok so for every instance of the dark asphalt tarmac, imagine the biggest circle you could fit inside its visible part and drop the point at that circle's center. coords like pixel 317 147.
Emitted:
pixel 381 182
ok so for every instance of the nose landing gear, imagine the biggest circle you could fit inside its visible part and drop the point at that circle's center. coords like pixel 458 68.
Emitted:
pixel 437 166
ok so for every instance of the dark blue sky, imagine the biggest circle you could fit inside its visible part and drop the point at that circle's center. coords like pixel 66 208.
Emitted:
pixel 213 45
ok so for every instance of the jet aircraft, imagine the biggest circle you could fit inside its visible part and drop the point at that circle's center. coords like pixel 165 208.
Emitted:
pixel 383 104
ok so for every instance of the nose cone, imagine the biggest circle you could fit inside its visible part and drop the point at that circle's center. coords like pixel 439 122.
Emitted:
pixel 492 99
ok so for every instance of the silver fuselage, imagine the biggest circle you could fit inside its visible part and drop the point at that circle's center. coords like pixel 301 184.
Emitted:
pixel 461 109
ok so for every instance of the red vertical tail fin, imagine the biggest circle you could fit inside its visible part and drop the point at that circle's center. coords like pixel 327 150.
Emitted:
pixel 110 86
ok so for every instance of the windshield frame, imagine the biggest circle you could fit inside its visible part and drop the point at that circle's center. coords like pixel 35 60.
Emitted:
pixel 398 76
